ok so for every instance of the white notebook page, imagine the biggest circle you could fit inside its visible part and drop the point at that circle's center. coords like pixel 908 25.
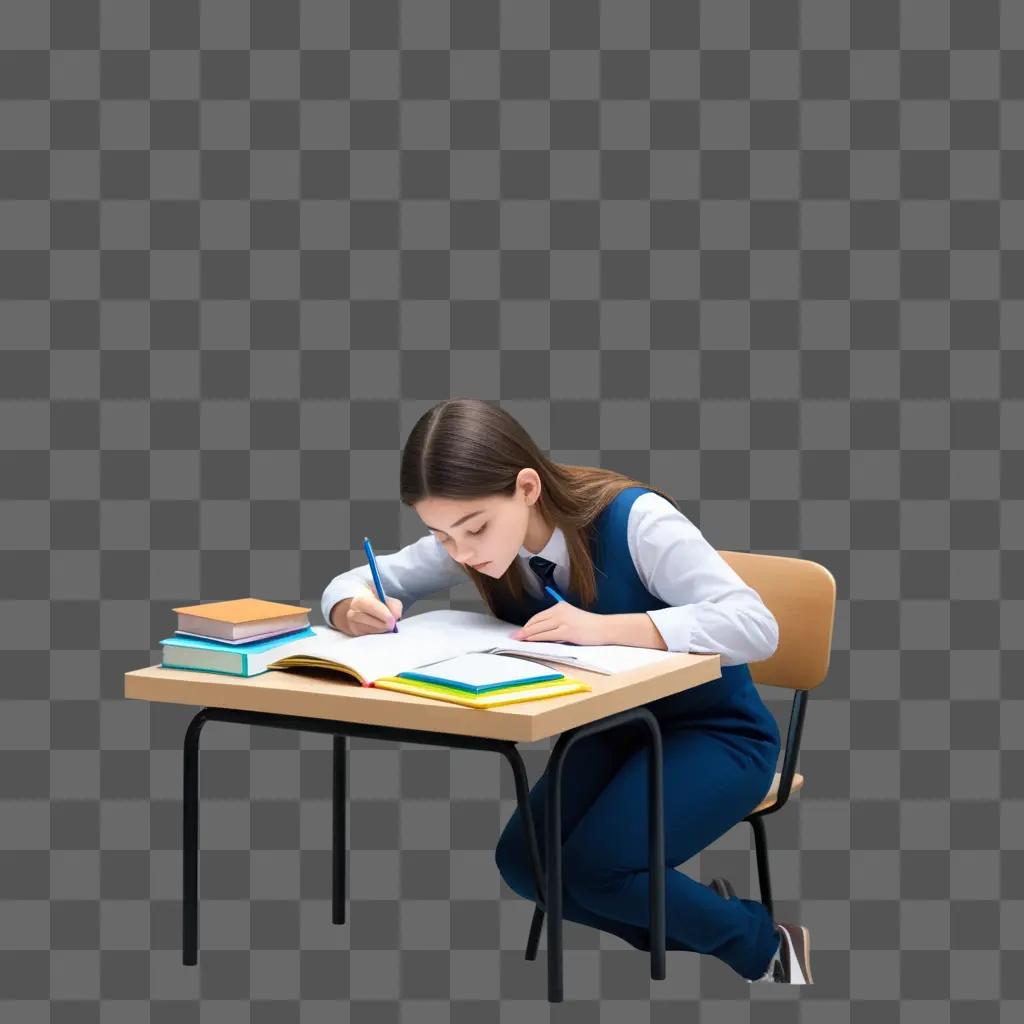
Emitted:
pixel 445 633
pixel 420 640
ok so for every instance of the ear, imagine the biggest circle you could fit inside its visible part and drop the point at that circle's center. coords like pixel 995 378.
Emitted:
pixel 528 481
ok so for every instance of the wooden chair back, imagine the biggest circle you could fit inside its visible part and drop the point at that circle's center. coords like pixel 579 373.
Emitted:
pixel 801 594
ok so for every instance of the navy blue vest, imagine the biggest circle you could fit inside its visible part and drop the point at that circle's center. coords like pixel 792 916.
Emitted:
pixel 620 591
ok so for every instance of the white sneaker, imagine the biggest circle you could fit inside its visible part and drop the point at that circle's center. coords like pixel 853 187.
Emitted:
pixel 791 964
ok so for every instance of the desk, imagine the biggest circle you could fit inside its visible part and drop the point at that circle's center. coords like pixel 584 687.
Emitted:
pixel 320 703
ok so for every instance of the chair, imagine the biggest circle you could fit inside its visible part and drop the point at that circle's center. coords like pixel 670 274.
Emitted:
pixel 801 594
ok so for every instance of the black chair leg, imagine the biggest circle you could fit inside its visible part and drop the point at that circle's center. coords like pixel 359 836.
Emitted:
pixel 535 928
pixel 763 875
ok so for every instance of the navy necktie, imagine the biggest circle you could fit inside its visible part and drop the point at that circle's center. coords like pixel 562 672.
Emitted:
pixel 544 570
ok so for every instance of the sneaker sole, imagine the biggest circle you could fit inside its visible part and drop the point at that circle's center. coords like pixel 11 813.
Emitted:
pixel 798 942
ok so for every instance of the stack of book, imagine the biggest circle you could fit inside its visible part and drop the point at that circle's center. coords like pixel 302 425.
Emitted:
pixel 238 638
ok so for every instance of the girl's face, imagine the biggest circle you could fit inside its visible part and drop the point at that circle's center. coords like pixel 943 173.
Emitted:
pixel 487 533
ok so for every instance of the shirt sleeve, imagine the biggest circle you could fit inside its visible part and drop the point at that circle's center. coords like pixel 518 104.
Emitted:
pixel 712 611
pixel 415 571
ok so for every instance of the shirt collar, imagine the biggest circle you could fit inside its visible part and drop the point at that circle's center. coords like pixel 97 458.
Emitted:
pixel 554 551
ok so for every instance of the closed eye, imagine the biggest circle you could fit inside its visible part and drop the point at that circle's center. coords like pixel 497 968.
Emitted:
pixel 473 533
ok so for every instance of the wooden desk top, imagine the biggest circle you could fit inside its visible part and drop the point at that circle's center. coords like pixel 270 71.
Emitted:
pixel 328 695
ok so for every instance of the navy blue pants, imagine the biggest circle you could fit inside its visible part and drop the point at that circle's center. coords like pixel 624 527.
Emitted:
pixel 721 747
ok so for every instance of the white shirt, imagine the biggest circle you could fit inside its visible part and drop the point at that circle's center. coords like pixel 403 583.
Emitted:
pixel 711 610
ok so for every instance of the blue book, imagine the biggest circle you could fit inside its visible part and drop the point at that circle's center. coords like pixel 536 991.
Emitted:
pixel 230 659
pixel 480 672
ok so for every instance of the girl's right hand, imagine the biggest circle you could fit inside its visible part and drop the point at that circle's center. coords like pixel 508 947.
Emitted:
pixel 365 613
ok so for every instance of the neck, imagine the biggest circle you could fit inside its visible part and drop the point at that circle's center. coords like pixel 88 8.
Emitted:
pixel 537 534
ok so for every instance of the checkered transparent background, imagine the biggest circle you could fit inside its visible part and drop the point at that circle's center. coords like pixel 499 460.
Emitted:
pixel 766 255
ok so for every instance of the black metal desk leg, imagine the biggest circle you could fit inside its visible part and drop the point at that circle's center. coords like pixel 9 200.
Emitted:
pixel 548 882
pixel 655 847
pixel 339 844
pixel 553 867
pixel 190 841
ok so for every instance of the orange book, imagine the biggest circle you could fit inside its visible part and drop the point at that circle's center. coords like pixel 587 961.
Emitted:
pixel 246 618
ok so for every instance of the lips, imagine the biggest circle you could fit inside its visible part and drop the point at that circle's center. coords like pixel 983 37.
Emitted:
pixel 479 565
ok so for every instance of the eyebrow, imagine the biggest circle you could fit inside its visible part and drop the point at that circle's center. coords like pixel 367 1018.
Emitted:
pixel 462 520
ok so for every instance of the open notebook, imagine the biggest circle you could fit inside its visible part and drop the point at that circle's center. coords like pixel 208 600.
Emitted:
pixel 435 636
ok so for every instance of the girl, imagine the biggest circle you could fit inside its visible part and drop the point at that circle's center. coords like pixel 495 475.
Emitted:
pixel 633 570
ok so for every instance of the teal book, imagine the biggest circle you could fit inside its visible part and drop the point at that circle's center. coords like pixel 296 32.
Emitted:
pixel 230 659
pixel 480 672
pixel 482 680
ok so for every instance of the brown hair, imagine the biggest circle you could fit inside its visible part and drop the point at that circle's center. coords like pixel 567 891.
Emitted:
pixel 469 448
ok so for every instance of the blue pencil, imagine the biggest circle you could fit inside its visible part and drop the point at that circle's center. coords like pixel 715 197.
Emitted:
pixel 368 548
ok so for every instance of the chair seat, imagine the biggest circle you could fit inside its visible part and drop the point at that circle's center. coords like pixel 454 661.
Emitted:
pixel 770 797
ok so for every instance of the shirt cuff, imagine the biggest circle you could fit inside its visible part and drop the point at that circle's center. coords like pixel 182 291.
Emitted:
pixel 336 592
pixel 675 624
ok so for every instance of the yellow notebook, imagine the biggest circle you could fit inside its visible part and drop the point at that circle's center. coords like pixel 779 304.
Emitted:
pixel 490 699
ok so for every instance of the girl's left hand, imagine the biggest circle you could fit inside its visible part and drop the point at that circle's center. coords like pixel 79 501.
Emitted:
pixel 564 622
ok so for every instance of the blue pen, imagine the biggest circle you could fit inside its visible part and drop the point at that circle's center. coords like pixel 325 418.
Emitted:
pixel 376 575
